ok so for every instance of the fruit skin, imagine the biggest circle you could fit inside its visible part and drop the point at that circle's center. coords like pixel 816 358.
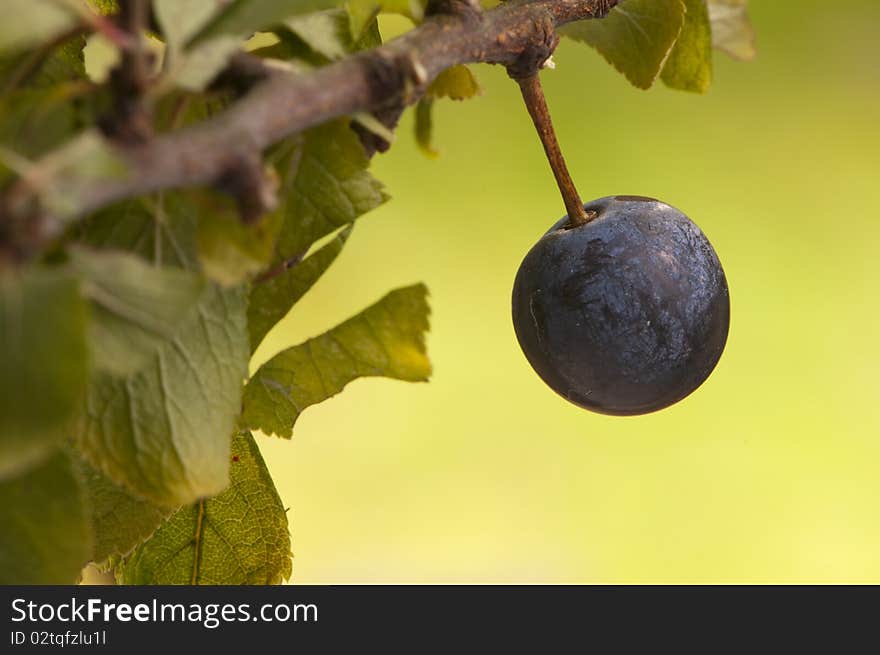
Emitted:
pixel 626 314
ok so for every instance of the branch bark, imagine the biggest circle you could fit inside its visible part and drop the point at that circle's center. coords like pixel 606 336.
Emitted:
pixel 514 34
pixel 131 120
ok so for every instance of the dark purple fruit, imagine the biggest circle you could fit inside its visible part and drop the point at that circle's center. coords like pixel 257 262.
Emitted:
pixel 625 314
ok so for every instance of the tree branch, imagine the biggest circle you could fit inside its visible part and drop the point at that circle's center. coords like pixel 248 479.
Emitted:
pixel 391 76
pixel 132 119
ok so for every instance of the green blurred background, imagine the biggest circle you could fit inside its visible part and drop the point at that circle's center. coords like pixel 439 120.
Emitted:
pixel 769 473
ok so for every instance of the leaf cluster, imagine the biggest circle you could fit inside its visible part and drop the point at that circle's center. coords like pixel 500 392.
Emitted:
pixel 129 413
pixel 126 403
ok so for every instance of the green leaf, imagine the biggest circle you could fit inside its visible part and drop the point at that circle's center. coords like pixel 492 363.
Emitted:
pixel 160 228
pixel 732 32
pixel 272 299
pixel 179 109
pixel 35 121
pixel 43 67
pixel 204 40
pixel 372 125
pixel 635 37
pixel 361 12
pixel 185 401
pixel 386 339
pixel 457 82
pixel 324 185
pixel 244 17
pixel 44 363
pixel 45 534
pixel 119 521
pixel 105 7
pixel 180 20
pixel 74 167
pixel 291 53
pixel 136 308
pixel 689 67
pixel 42 101
pixel 238 537
pixel 200 65
pixel 231 251
pixel 367 37
pixel 102 56
pixel 424 127
pixel 29 22
pixel 163 432
pixel 325 32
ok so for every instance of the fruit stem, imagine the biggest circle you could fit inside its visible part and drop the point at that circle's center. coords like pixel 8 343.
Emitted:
pixel 533 95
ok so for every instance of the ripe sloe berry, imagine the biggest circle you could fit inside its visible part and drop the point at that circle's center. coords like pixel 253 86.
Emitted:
pixel 625 314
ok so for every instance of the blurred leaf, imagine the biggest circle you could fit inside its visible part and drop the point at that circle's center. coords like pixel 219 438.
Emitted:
pixel 386 339
pixel 210 40
pixel 29 22
pixel 74 166
pixel 41 99
pixel 325 32
pixel 368 37
pixel 315 39
pixel 373 125
pixel 45 537
pixel 101 57
pixel 324 185
pixel 42 67
pixel 183 404
pixel 136 308
pixel 636 37
pixel 230 251
pixel 44 363
pixel 457 82
pixel 272 299
pixel 291 50
pixel 689 67
pixel 244 17
pixel 34 121
pixel 180 20
pixel 160 228
pixel 119 521
pixel 204 62
pixel 106 7
pixel 179 109
pixel 238 537
pixel 163 432
pixel 732 32
pixel 361 12
pixel 424 127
